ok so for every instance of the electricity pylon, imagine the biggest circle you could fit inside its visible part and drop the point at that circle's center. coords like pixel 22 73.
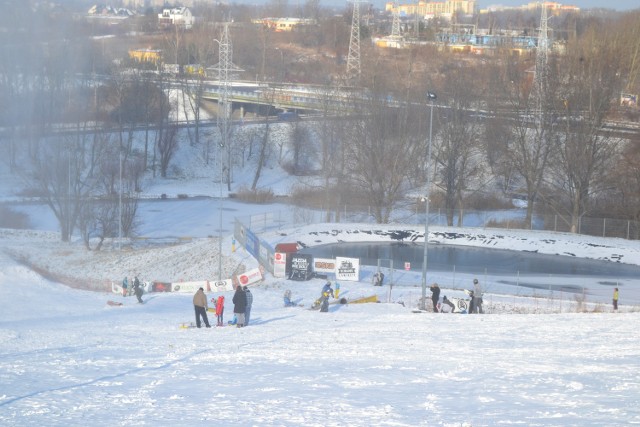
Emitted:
pixel 353 60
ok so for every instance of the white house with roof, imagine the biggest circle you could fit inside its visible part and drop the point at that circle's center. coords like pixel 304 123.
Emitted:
pixel 178 16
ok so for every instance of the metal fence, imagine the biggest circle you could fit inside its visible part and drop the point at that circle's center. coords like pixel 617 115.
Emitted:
pixel 507 219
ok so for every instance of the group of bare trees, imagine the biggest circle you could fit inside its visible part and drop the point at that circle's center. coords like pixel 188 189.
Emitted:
pixel 492 119
pixel 69 125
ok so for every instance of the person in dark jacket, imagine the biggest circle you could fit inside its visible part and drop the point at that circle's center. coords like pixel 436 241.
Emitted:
pixel 247 312
pixel 435 296
pixel 137 290
pixel 327 292
pixel 239 305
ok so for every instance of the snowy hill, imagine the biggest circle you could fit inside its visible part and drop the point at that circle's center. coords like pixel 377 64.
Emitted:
pixel 68 358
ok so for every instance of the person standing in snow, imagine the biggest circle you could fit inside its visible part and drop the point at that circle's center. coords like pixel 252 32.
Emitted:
pixel 327 291
pixel 615 299
pixel 125 285
pixel 239 305
pixel 137 290
pixel 435 296
pixel 476 299
pixel 219 310
pixel 200 306
pixel 247 312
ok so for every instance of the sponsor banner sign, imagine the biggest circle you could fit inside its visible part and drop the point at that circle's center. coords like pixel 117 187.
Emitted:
pixel 161 287
pixel 252 276
pixel 279 264
pixel 253 244
pixel 264 254
pixel 221 285
pixel 301 266
pixel 116 289
pixel 324 265
pixel 347 269
pixel 188 286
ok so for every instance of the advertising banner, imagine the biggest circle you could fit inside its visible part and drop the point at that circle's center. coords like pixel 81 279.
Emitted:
pixel 191 287
pixel 279 265
pixel 221 285
pixel 324 265
pixel 348 269
pixel 300 267
pixel 251 276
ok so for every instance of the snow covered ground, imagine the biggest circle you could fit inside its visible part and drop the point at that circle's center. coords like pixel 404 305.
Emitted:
pixel 67 358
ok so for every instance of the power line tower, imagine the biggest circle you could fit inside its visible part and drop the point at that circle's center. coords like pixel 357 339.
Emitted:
pixel 542 59
pixel 353 60
pixel 416 25
pixel 395 26
pixel 226 71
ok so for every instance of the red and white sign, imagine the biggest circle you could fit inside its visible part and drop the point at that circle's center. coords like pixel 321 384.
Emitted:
pixel 407 266
pixel 252 276
pixel 279 264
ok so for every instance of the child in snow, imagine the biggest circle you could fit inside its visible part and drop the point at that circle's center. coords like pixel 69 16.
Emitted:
pixel 287 299
pixel 220 310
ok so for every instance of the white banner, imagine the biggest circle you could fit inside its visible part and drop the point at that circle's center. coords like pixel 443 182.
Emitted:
pixel 252 276
pixel 279 264
pixel 324 265
pixel 116 289
pixel 188 286
pixel 221 286
pixel 347 269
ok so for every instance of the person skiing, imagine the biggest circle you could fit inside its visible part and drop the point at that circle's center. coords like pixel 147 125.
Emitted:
pixel 239 305
pixel 435 296
pixel 220 310
pixel 137 290
pixel 125 285
pixel 247 311
pixel 615 299
pixel 327 291
pixel 200 306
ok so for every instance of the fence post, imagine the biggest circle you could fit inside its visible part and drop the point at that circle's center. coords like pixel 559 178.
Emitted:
pixel 555 223
pixel 628 229
pixel 604 227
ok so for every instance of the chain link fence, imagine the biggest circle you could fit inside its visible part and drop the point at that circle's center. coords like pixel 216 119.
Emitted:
pixel 507 219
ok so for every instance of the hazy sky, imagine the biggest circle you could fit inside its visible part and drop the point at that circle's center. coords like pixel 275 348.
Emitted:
pixel 611 4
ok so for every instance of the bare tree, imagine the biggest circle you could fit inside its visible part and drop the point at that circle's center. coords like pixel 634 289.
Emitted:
pixel 457 151
pixel 382 153
pixel 526 139
pixel 167 147
pixel 588 151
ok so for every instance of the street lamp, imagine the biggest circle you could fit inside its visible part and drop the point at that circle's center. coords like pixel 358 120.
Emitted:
pixel 431 96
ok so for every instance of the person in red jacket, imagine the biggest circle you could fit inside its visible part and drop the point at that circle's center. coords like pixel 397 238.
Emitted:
pixel 220 310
